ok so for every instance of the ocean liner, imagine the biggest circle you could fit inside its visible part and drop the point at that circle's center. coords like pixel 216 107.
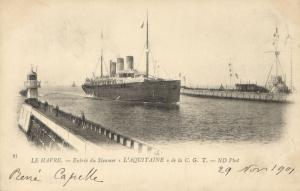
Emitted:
pixel 274 90
pixel 127 84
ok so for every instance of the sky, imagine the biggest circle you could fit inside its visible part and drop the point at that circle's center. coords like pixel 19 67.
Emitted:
pixel 62 39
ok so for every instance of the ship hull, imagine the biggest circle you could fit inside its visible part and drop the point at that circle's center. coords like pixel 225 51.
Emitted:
pixel 235 95
pixel 164 91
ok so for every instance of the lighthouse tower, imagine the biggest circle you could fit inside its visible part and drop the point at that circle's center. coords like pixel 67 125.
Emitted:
pixel 32 85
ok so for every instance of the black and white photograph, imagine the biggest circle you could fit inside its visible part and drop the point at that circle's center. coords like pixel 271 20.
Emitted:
pixel 150 95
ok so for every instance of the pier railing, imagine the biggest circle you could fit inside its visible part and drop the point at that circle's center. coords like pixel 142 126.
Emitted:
pixel 88 125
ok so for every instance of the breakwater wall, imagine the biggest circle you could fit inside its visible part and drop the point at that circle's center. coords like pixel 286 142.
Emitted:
pixel 30 115
pixel 46 114
pixel 231 94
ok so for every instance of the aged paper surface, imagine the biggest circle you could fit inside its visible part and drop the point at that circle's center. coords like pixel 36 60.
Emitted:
pixel 204 143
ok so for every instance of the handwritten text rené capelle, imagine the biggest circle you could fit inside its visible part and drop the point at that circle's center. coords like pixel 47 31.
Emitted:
pixel 61 175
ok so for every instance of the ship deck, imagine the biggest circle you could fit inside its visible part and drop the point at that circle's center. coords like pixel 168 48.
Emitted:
pixel 235 95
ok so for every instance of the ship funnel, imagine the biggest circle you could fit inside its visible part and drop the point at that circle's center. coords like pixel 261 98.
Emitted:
pixel 112 71
pixel 129 62
pixel 120 64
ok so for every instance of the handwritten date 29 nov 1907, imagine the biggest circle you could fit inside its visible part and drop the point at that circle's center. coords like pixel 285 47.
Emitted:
pixel 256 169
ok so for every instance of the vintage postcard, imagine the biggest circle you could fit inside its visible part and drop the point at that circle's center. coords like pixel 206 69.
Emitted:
pixel 150 95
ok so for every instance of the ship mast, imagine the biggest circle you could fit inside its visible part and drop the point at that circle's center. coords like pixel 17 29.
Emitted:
pixel 291 60
pixel 147 48
pixel 276 52
pixel 101 63
pixel 275 43
pixel 230 72
pixel 101 58
pixel 291 69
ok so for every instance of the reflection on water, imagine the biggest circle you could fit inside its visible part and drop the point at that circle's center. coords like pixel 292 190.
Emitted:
pixel 194 119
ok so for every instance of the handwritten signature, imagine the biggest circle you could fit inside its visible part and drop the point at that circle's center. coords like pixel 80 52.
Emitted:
pixel 60 174
pixel 18 175
pixel 90 176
